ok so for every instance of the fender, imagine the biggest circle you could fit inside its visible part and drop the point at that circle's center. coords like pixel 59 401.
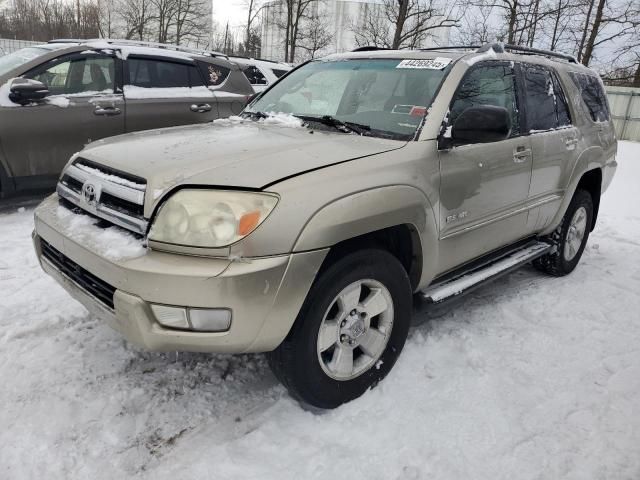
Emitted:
pixel 589 159
pixel 372 210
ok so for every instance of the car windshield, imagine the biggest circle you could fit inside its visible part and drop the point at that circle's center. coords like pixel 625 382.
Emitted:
pixel 20 57
pixel 379 97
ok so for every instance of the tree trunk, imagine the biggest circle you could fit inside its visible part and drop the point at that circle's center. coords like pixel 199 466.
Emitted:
pixel 636 77
pixel 513 13
pixel 585 30
pixel 588 51
pixel 403 5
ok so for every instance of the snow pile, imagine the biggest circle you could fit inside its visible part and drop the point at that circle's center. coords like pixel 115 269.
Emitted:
pixel 283 120
pixel 134 92
pixel 529 378
pixel 108 177
pixel 113 243
pixel 279 119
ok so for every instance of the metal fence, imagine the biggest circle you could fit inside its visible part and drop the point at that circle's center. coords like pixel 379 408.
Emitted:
pixel 625 110
pixel 8 45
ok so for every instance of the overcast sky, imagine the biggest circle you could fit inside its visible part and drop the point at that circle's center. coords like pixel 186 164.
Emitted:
pixel 232 11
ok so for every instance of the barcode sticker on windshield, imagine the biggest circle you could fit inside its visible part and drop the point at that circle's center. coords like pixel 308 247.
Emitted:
pixel 437 63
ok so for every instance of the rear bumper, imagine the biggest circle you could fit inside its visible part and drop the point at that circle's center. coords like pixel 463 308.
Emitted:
pixel 263 294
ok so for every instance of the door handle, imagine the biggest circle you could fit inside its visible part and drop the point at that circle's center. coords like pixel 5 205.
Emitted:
pixel 571 143
pixel 200 107
pixel 106 111
pixel 521 154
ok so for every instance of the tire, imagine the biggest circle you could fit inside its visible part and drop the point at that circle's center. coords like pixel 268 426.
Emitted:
pixel 317 373
pixel 569 247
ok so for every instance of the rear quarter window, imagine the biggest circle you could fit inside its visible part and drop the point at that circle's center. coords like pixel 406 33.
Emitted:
pixel 278 73
pixel 215 74
pixel 593 95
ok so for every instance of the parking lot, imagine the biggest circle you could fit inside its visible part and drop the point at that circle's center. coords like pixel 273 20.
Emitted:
pixel 530 377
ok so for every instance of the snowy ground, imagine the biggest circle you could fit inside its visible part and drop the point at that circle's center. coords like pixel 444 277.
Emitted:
pixel 531 377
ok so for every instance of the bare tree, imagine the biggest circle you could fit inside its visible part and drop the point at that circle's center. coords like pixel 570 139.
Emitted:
pixel 316 35
pixel 254 7
pixel 403 23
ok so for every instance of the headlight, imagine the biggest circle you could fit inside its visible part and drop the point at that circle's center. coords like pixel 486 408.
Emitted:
pixel 210 218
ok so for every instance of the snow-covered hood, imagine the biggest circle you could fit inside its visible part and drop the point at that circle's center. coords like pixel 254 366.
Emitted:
pixel 236 153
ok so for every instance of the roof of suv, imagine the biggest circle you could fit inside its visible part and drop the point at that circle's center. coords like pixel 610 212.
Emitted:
pixel 471 54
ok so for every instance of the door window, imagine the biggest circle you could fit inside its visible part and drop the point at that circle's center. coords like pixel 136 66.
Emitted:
pixel 488 85
pixel 149 73
pixel 546 105
pixel 91 74
pixel 254 75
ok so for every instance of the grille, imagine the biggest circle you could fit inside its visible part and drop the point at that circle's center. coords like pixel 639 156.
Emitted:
pixel 107 193
pixel 82 278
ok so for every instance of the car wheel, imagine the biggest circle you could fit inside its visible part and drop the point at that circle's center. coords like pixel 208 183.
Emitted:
pixel 349 332
pixel 570 238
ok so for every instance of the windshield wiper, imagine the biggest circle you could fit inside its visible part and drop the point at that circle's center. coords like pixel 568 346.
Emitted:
pixel 258 115
pixel 342 126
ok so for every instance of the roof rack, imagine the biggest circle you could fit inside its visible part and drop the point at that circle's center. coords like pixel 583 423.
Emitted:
pixel 501 48
pixel 451 47
pixel 231 57
pixel 369 48
pixel 140 43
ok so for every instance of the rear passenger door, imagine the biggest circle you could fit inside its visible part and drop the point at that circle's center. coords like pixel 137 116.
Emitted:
pixel 162 92
pixel 554 141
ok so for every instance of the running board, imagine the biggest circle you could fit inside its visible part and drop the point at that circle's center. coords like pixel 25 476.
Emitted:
pixel 473 278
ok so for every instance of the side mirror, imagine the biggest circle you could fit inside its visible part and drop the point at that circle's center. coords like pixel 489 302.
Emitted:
pixel 481 124
pixel 25 90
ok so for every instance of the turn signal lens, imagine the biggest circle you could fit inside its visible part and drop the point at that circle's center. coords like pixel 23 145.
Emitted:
pixel 248 222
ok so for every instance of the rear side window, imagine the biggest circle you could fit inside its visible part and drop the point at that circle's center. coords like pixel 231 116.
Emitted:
pixel 546 105
pixel 254 75
pixel 593 95
pixel 149 73
pixel 278 73
pixel 215 74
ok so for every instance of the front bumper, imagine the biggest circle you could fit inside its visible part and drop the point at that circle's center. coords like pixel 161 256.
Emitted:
pixel 264 294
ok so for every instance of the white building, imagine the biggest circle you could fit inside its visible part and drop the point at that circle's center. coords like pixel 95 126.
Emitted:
pixel 342 17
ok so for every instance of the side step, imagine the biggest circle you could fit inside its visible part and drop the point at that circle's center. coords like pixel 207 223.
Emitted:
pixel 470 279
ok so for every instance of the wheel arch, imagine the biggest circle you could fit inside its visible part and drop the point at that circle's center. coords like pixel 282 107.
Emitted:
pixel 397 218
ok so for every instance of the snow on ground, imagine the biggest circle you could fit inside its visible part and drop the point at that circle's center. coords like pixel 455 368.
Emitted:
pixel 531 377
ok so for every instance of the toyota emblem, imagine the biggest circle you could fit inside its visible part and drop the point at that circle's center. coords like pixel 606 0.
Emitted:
pixel 89 194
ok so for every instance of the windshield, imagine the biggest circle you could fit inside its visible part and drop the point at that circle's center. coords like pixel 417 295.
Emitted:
pixel 389 97
pixel 20 57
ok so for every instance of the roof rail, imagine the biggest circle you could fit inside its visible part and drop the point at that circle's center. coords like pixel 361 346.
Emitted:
pixel 501 48
pixel 141 43
pixel 369 48
pixel 537 51
pixel 231 57
pixel 450 47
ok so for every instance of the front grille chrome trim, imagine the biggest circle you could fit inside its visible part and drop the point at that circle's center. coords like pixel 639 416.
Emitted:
pixel 137 225
pixel 133 195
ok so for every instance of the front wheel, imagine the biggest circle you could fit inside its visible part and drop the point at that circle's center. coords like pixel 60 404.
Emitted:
pixel 349 332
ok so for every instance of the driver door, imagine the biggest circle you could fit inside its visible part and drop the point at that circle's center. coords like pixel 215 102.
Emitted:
pixel 83 106
pixel 484 186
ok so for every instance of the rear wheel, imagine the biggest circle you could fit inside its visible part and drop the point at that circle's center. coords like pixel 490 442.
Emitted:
pixel 570 238
pixel 349 332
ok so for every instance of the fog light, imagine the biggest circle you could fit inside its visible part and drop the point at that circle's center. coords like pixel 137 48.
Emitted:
pixel 173 317
pixel 210 320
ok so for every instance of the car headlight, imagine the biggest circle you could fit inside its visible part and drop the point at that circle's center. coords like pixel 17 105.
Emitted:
pixel 210 218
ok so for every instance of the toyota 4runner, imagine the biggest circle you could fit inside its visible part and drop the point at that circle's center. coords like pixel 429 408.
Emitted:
pixel 306 233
